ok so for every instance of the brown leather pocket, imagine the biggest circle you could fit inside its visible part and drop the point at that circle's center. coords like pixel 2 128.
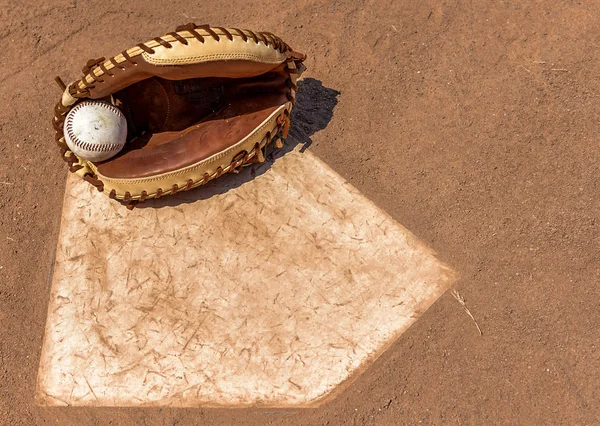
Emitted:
pixel 172 126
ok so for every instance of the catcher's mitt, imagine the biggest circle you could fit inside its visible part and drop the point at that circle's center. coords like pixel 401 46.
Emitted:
pixel 199 102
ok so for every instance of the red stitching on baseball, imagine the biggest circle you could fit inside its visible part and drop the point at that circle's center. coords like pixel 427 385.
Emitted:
pixel 87 145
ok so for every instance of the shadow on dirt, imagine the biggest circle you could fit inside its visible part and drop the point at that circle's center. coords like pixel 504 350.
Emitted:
pixel 313 112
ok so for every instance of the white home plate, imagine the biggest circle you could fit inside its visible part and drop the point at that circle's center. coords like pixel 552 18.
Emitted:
pixel 270 292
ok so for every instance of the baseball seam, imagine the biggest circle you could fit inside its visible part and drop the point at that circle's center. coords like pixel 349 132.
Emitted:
pixel 93 147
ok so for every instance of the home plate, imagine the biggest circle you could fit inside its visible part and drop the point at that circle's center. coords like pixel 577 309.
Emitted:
pixel 274 290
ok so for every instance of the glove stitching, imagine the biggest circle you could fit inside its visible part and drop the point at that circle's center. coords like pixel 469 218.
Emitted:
pixel 168 103
pixel 207 58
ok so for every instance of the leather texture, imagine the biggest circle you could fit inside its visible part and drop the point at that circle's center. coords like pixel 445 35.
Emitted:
pixel 211 165
pixel 199 102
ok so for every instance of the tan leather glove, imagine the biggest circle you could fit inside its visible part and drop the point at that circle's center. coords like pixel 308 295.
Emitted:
pixel 200 102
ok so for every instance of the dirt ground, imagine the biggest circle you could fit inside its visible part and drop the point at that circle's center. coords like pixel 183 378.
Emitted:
pixel 475 124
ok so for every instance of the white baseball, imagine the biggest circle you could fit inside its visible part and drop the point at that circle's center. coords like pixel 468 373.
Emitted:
pixel 95 130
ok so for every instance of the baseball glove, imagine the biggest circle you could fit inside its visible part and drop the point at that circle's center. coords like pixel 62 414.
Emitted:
pixel 199 102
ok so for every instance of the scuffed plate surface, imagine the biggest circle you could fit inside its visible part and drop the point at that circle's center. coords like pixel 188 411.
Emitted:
pixel 272 290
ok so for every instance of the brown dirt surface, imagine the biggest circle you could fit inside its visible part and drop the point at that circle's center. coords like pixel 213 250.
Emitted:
pixel 475 124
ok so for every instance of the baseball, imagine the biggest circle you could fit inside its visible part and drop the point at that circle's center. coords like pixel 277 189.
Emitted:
pixel 95 130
